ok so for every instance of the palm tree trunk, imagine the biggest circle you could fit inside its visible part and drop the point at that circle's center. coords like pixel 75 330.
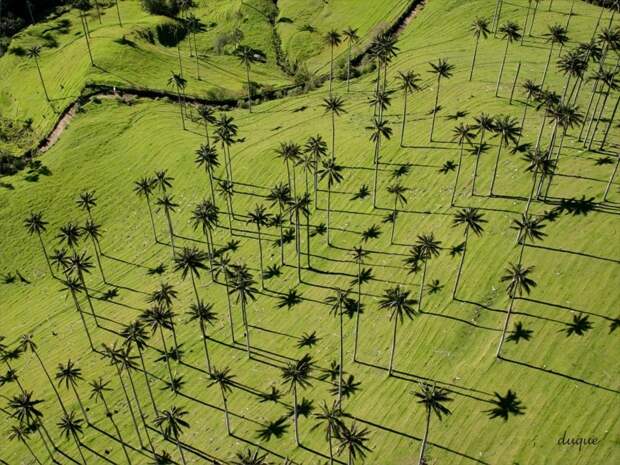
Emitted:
pixel 357 314
pixel 460 269
pixel 140 411
pixel 90 303
pixel 422 286
pixel 425 439
pixel 376 173
pixel 506 321
pixel 331 69
pixel 79 310
pixel 49 438
pixel 393 349
pixel 435 107
pixel 260 257
pixel 247 329
pixel 133 417
pixel 118 431
pixel 611 179
pixel 247 73
pixel 611 120
pixel 148 203
pixel 49 378
pixel 226 418
pixel 341 367
pixel 148 383
pixel 501 69
pixel 163 340
pixel 118 14
pixel 295 419
pixel 180 449
pixel 541 130
pixel 331 447
pixel 298 245
pixel 230 317
pixel 171 231
pixel 47 259
pixel 98 11
pixel 499 150
pixel 527 102
pixel 542 82
pixel 533 18
pixel 98 258
pixel 32 452
pixel 333 134
pixel 85 27
pixel 349 68
pixel 598 120
pixel 527 17
pixel 473 60
pixel 499 15
pixel 308 240
pixel 77 396
pixel 329 205
pixel 529 200
pixel 79 447
pixel 204 342
pixel 36 61
pixel 181 107
pixel 587 113
pixel 514 83
pixel 402 129
pixel 456 178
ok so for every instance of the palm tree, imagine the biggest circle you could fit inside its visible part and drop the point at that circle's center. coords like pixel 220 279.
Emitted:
pixel 442 69
pixel 427 248
pixel 511 32
pixel 70 235
pixel 538 164
pixel 610 80
pixel 463 133
pixel 83 5
pixel 363 276
pixel 433 400
pixel 531 92
pixel 383 49
pixel 297 374
pixel 473 220
pixel 247 57
pixel 479 28
pixel 162 180
pixel 167 204
pixel 398 191
pixel 223 267
pixel 289 153
pixel 483 123
pixel 353 440
pixel 71 426
pixel 351 36
pixel 20 433
pixel 173 425
pixel 208 117
pixel 546 99
pixel 70 375
pixel 508 130
pixel 163 297
pixel 519 281
pixel 83 264
pixel 73 285
pixel 98 388
pixel 160 318
pixel 299 206
pixel 331 418
pixel 35 224
pixel 226 189
pixel 224 379
pixel 189 262
pixel 280 195
pixel 316 146
pixel 93 231
pixel 225 133
pixel 333 39
pixel 573 65
pixel 260 218
pixel 206 217
pixel 144 188
pixel 204 314
pixel 528 228
pixel 179 82
pixel 135 335
pixel 87 201
pixel 409 83
pixel 335 106
pixel 380 129
pixel 206 156
pixel 338 306
pixel 35 53
pixel 555 35
pixel 331 171
pixel 396 300
pixel 242 285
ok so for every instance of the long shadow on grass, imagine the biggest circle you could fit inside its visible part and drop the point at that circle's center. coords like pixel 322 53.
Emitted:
pixel 573 252
pixel 565 307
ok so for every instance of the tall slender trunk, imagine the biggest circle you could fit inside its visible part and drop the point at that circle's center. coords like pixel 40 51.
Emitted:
pixel 295 419
pixel 36 61
pixel 49 379
pixel 598 120
pixel 456 178
pixel 118 14
pixel 180 449
pixel 230 317
pixel 329 206
pixel 349 67
pixel 357 313
pixel 587 113
pixel 425 439
pixel 402 129
pixel 611 179
pixel 79 447
pixel 298 246
pixel 85 27
pixel 166 355
pixel 140 411
pixel 79 400
pixel 422 285
pixel 98 11
pixel 260 257
pixel 247 330
pixel 501 68
pixel 331 447
pixel 118 431
pixel 146 379
pixel 609 125
pixel 98 258
pixel 505 327
pixel 47 258
pixel 226 418
pixel 79 310
pixel 460 269
pixel 331 69
pixel 542 82
pixel 128 400
pixel 88 299
pixel 247 73
pixel 499 151
pixel 473 60
pixel 435 109
pixel 376 173
pixel 341 367
pixel 32 452
pixel 393 349
pixel 527 17
pixel 533 17
pixel 514 83
pixel 171 231
pixel 148 203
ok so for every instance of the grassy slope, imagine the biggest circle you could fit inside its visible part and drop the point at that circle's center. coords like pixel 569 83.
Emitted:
pixel 112 144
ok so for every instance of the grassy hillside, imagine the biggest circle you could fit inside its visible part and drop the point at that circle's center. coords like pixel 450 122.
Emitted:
pixel 566 384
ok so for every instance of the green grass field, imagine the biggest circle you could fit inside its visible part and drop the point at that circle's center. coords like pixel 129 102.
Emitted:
pixel 566 384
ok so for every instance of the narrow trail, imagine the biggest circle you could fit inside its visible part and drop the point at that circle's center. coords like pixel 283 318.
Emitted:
pixel 91 91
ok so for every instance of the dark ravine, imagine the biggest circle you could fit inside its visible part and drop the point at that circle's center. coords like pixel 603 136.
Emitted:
pixel 91 91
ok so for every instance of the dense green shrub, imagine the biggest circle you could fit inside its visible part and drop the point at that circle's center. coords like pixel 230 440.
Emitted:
pixel 161 7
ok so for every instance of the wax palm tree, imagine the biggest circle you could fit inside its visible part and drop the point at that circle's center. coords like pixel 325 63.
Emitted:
pixel 556 35
pixel 511 32
pixel 380 129
pixel 144 187
pixel 479 28
pixel 331 171
pixel 398 191
pixel 92 230
pixel 136 335
pixel 338 306
pixel 297 374
pixel 610 81
pixel 383 49
pixel 532 90
pixel 71 426
pixel 484 124
pixel 539 164
pixel 530 229
pixel 335 106
pixel 261 219
pixel 87 201
pixel 462 134
pixel 177 81
pixel 225 133
pixel 207 114
pixel 409 83
pixel 70 375
pixel 351 36
pixel 545 99
pixel 74 285
pixel 289 153
pixel 70 235
pixel 331 418
pixel 427 247
pixel 280 195
pixel 223 267
pixel 333 39
pixel 353 441
pixel 247 57
pixel 226 189
pixel 433 400
pixel 21 433
pixel 299 206
pixel 25 409
pixel 519 282
pixel 163 180
pixel 189 262
pixel 36 224
pixel 206 217
pixel 81 264
pixel 207 157
pixel 98 389
pixel 173 423
pixel 242 284
pixel 159 319
pixel 508 130
pixel 573 65
pixel 381 101
pixel 34 53
pixel 224 379
pixel 397 302
pixel 316 146
pixel 167 204
pixel 443 70
pixel 204 314
pixel 473 221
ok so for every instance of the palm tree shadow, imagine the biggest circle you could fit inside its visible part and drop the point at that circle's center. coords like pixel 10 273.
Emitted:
pixel 573 252
pixel 103 254
pixel 98 454
pixel 262 448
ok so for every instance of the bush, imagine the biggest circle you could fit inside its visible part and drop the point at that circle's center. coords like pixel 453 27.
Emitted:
pixel 170 34
pixel 10 164
pixel 161 7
